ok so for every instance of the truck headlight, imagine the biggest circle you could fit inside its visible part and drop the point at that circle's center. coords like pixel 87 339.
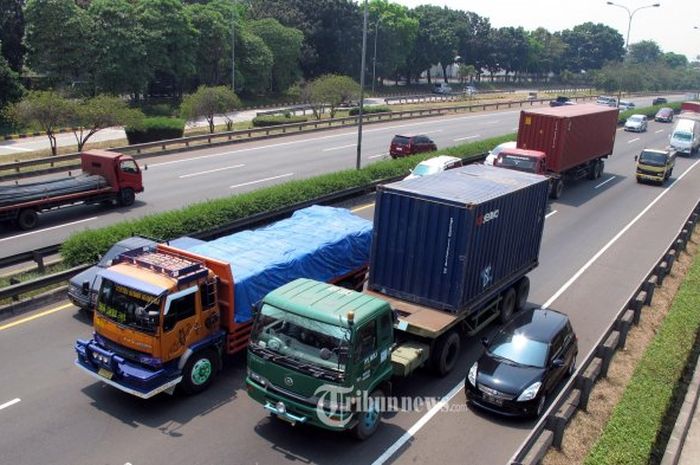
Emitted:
pixel 530 393
pixel 472 373
pixel 256 377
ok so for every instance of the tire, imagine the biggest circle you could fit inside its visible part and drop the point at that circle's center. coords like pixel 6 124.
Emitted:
pixel 596 170
pixel 557 187
pixel 126 197
pixel 508 305
pixel 572 368
pixel 522 292
pixel 27 219
pixel 600 168
pixel 445 353
pixel 369 421
pixel 199 372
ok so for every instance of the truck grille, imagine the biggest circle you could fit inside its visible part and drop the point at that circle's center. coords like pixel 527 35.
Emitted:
pixel 129 354
pixel 649 172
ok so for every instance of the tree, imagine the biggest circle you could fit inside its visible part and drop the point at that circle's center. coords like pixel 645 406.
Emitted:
pixel 675 60
pixel 11 89
pixel 331 90
pixel 212 45
pixel 646 51
pixel 91 116
pixel 466 72
pixel 117 48
pixel 591 46
pixel 285 45
pixel 12 33
pixel 509 49
pixel 208 102
pixel 255 61
pixel 473 37
pixel 46 110
pixel 397 31
pixel 56 39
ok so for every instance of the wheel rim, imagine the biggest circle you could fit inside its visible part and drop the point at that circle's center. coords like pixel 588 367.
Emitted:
pixel 201 371
pixel 371 417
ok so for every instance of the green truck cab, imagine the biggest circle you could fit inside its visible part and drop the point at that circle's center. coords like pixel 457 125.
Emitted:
pixel 655 165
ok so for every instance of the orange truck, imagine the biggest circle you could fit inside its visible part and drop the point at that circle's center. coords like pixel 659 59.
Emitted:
pixel 166 316
pixel 106 176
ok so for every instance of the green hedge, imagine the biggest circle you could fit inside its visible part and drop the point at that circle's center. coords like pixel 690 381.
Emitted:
pixel 276 120
pixel 87 246
pixel 650 112
pixel 631 433
pixel 367 110
pixel 154 129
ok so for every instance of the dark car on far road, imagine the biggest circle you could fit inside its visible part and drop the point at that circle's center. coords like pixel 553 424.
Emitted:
pixel 659 101
pixel 665 115
pixel 523 364
pixel 404 146
pixel 560 101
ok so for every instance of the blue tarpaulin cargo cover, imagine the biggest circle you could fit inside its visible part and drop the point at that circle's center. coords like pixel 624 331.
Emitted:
pixel 319 243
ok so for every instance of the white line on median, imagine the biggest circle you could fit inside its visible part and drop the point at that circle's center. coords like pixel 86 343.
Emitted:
pixel 605 182
pixel 10 403
pixel 553 212
pixel 633 140
pixel 407 436
pixel 211 171
pixel 467 137
pixel 330 149
pixel 261 180
pixel 12 147
pixel 660 130
pixel 378 155
pixel 48 229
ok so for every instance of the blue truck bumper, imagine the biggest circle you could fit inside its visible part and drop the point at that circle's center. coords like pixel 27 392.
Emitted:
pixel 125 375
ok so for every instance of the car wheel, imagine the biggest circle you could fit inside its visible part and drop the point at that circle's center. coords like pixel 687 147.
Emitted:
pixel 541 405
pixel 369 420
pixel 572 367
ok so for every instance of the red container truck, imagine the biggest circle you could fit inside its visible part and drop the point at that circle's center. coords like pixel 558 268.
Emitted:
pixel 692 107
pixel 106 176
pixel 563 143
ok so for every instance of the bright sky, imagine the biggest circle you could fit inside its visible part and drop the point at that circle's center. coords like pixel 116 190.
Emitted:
pixel 671 25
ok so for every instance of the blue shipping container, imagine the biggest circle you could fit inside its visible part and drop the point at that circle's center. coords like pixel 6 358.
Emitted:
pixel 454 240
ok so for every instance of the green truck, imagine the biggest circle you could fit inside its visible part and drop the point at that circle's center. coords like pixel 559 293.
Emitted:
pixel 454 260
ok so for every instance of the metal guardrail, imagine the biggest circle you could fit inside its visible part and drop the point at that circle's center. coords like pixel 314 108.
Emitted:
pixel 549 430
pixel 37 256
pixel 227 137
pixel 258 219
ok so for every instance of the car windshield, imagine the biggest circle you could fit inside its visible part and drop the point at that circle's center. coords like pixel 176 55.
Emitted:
pixel 301 339
pixel 635 119
pixel 128 306
pixel 424 169
pixel 518 349
pixel 519 163
pixel 401 140
pixel 652 158
pixel 684 136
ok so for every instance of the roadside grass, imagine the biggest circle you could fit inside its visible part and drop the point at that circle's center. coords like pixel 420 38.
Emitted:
pixel 86 246
pixel 633 435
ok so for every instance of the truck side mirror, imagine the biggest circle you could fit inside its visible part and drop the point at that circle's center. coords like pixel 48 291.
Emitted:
pixel 86 287
pixel 635 158
pixel 484 342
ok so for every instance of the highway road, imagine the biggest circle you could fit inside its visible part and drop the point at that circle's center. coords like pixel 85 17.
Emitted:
pixel 174 181
pixel 600 240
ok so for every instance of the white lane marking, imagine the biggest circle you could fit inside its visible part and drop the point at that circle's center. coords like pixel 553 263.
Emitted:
pixel 660 130
pixel 425 418
pixel 553 212
pixel 633 140
pixel 467 137
pixel 211 171
pixel 12 147
pixel 605 182
pixel 330 149
pixel 10 403
pixel 378 155
pixel 491 122
pixel 261 180
pixel 48 229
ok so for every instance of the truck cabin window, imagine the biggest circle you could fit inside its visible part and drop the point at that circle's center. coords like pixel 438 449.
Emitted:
pixel 516 162
pixel 652 158
pixel 367 340
pixel 129 166
pixel 180 309
pixel 129 307
pixel 302 342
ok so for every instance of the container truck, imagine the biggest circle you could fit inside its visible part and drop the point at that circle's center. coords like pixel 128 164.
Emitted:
pixel 690 107
pixel 564 143
pixel 166 316
pixel 450 254
pixel 106 177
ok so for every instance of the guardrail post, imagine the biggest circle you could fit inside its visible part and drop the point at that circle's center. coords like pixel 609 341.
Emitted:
pixel 661 271
pixel 587 380
pixel 15 298
pixel 606 351
pixel 649 287
pixel 39 259
pixel 557 422
pixel 623 326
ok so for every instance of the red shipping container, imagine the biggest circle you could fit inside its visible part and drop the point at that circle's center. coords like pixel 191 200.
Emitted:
pixel 569 135
pixel 690 106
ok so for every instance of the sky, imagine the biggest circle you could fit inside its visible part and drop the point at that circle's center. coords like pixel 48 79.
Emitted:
pixel 671 25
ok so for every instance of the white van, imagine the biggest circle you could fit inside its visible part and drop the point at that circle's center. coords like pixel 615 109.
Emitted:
pixel 685 137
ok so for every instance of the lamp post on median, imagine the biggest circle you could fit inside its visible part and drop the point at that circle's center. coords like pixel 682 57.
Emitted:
pixel 358 162
pixel 374 59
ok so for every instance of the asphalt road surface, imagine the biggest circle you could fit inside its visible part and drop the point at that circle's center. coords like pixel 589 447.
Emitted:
pixel 175 181
pixel 600 240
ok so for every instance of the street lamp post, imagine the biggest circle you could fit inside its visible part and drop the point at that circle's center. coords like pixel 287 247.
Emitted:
pixel 233 47
pixel 358 162
pixel 374 59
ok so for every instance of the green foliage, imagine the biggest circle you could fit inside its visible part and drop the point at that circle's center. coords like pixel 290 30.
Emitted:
pixel 11 89
pixel 86 246
pixel 12 33
pixel 93 115
pixel 285 45
pixel 367 110
pixel 208 102
pixel 276 120
pixel 646 51
pixel 648 111
pixel 154 129
pixel 213 43
pixel 592 45
pixel 395 31
pixel 44 110
pixel 331 90
pixel 631 433
pixel 255 65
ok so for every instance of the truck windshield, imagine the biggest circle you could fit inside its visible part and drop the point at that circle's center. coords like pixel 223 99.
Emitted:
pixel 652 158
pixel 129 307
pixel 301 339
pixel 516 162
pixel 684 136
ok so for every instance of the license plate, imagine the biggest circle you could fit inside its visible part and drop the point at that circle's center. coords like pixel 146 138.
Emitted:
pixel 105 373
pixel 493 400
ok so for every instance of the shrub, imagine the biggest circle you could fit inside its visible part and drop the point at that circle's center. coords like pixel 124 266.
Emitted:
pixel 154 129
pixel 87 246
pixel 158 109
pixel 648 111
pixel 276 120
pixel 367 110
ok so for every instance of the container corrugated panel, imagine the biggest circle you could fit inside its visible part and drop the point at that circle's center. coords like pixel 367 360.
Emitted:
pixel 693 107
pixel 569 135
pixel 455 239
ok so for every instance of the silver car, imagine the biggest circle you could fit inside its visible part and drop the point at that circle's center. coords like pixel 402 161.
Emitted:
pixel 636 123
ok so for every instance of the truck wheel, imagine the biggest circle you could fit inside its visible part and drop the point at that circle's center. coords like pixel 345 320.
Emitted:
pixel 369 420
pixel 199 372
pixel 522 291
pixel 601 168
pixel 126 197
pixel 508 305
pixel 556 188
pixel 446 352
pixel 27 219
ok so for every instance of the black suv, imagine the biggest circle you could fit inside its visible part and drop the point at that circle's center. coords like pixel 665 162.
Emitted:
pixel 659 101
pixel 560 101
